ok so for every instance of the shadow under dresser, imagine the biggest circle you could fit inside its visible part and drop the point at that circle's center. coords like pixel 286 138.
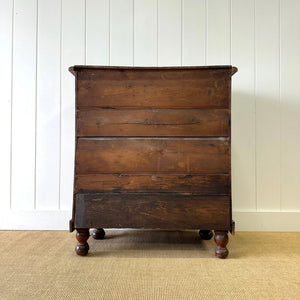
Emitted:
pixel 153 151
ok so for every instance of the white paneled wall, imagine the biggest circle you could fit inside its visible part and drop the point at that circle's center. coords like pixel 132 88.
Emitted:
pixel 40 39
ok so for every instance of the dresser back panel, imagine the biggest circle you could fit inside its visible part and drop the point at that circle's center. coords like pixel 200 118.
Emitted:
pixel 153 155
pixel 154 88
pixel 153 122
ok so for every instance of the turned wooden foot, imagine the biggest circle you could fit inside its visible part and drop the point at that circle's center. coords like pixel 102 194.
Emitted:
pixel 206 234
pixel 98 233
pixel 82 235
pixel 221 239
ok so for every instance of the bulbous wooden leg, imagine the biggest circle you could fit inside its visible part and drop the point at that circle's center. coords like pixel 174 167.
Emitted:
pixel 221 239
pixel 82 235
pixel 206 234
pixel 98 233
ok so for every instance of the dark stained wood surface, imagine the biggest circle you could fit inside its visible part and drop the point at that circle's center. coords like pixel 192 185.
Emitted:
pixel 152 210
pixel 153 122
pixel 160 155
pixel 154 88
pixel 124 183
pixel 153 150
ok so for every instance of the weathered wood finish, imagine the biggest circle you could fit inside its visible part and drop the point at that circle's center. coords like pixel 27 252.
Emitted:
pixel 153 150
pixel 152 210
pixel 153 122
pixel 122 183
pixel 154 88
pixel 138 156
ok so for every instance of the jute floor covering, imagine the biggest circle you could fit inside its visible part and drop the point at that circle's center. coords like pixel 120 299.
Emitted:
pixel 132 264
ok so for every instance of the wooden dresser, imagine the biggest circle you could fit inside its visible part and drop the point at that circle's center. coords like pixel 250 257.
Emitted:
pixel 153 151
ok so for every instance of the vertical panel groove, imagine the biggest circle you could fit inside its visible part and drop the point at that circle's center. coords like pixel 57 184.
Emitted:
pixel 85 44
pixel 280 106
pixel 35 112
pixel 133 32
pixel 11 100
pixel 181 28
pixel 206 31
pixel 109 46
pixel 255 96
pixel 157 3
pixel 230 31
pixel 60 94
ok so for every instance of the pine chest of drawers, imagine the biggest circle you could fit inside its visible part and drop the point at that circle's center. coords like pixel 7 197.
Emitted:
pixel 152 151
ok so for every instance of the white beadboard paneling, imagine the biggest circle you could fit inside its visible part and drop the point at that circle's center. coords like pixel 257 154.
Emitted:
pixel 48 105
pixel 261 38
pixel 6 20
pixel 243 106
pixel 290 101
pixel 97 32
pixel 169 33
pixel 267 104
pixel 193 32
pixel 72 52
pixel 121 32
pixel 145 32
pixel 218 32
pixel 24 105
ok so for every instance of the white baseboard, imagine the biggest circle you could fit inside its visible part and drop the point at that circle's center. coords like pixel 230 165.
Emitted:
pixel 59 220
pixel 267 221
pixel 34 220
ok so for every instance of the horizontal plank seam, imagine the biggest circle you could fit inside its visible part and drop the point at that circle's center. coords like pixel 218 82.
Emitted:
pixel 218 138
pixel 155 174
pixel 92 107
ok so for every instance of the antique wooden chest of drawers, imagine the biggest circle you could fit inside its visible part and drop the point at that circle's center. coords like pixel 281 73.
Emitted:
pixel 153 151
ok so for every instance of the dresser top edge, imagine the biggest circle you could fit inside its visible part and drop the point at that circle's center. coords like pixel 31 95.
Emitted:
pixel 75 68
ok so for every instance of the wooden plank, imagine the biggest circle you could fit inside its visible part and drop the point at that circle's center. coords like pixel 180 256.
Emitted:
pixel 243 107
pixel 267 104
pixel 139 155
pixel 6 22
pixel 153 211
pixel 121 32
pixel 48 105
pixel 132 88
pixel 72 51
pixel 290 104
pixel 218 32
pixel 169 33
pixel 155 122
pixel 145 33
pixel 123 183
pixel 24 105
pixel 193 32
pixel 97 32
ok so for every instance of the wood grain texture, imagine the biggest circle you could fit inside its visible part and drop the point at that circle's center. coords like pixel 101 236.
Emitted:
pixel 139 155
pixel 155 122
pixel 153 88
pixel 155 211
pixel 123 183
